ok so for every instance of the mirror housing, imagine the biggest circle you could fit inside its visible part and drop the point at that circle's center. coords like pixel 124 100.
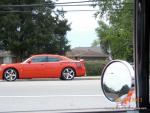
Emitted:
pixel 29 61
pixel 117 80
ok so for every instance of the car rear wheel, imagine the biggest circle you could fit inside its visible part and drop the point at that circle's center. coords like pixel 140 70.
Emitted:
pixel 68 74
pixel 10 74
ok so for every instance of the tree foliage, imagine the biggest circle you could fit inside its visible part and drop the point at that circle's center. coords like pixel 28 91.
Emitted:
pixel 33 29
pixel 117 31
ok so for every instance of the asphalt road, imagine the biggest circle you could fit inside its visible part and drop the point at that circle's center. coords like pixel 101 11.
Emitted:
pixel 57 95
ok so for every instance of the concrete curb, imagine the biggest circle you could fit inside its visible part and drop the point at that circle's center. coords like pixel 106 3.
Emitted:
pixel 57 79
pixel 88 78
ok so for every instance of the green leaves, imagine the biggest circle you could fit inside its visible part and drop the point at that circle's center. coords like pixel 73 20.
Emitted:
pixel 118 34
pixel 33 30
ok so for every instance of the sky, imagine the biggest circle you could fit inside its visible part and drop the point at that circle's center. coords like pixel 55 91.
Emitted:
pixel 83 25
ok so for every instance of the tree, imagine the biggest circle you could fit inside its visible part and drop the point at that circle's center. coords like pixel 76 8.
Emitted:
pixel 117 33
pixel 96 43
pixel 32 29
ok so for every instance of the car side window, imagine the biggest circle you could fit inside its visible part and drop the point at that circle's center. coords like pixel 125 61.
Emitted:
pixel 39 59
pixel 52 59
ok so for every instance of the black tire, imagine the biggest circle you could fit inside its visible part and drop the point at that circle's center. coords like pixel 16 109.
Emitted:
pixel 10 74
pixel 68 74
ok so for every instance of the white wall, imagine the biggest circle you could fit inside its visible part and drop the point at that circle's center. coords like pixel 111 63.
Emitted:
pixel 7 60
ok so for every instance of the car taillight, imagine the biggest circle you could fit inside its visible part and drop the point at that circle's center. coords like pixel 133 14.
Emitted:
pixel 79 64
pixel 82 61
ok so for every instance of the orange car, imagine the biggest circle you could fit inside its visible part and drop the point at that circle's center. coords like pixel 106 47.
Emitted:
pixel 43 66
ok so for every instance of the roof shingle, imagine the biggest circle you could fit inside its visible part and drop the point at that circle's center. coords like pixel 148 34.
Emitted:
pixel 86 52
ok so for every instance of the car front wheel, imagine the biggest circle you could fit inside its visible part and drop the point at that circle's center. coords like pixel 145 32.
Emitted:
pixel 10 74
pixel 68 74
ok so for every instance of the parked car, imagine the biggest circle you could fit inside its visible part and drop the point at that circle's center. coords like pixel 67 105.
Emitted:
pixel 43 66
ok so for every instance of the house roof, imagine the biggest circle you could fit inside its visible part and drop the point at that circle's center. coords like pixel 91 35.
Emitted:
pixel 86 52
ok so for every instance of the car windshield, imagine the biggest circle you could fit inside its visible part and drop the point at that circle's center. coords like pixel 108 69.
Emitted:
pixel 96 31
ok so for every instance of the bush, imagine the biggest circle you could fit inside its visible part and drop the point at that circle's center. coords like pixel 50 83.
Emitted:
pixel 94 68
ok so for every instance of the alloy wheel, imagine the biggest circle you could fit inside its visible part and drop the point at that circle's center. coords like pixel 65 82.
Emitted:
pixel 10 74
pixel 68 74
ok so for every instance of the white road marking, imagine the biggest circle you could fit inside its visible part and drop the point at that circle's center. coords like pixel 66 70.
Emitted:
pixel 45 96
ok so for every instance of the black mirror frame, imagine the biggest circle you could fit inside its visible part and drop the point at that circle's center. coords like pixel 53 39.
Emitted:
pixel 141 55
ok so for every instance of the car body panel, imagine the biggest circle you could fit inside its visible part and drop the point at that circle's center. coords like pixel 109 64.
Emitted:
pixel 51 69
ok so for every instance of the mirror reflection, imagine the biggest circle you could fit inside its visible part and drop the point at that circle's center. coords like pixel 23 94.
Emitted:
pixel 117 80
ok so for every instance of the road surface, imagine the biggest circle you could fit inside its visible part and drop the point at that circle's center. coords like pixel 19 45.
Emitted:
pixel 57 95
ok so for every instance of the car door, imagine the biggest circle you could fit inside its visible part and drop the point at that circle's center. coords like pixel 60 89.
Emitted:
pixel 53 67
pixel 35 69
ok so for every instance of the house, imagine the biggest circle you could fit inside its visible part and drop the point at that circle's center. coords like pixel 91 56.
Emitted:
pixel 6 57
pixel 87 53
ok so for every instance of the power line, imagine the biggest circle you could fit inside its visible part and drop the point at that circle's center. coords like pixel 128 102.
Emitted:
pixel 59 4
pixel 77 10
pixel 55 3
pixel 75 5
pixel 73 2
pixel 86 1
pixel 88 4
pixel 16 11
pixel 41 5
pixel 59 11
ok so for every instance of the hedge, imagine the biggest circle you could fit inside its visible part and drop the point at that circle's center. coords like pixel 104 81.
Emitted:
pixel 94 68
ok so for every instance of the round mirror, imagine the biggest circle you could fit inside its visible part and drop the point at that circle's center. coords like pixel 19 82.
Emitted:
pixel 117 79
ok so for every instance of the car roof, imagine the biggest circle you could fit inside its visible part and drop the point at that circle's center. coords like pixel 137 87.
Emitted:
pixel 53 55
pixel 46 55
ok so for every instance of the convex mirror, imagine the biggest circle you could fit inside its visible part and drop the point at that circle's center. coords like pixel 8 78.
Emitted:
pixel 117 79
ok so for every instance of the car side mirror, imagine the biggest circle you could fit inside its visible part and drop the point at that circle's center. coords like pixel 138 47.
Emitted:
pixel 117 80
pixel 29 61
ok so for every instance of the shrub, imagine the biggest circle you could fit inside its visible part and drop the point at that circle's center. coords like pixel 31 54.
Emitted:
pixel 94 68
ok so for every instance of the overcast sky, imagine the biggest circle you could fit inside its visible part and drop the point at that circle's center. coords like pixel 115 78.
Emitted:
pixel 83 25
